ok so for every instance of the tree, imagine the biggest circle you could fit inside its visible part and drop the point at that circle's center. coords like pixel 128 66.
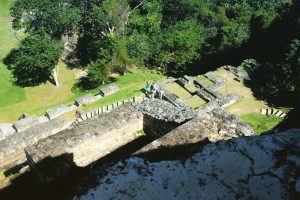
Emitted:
pixel 98 72
pixel 54 17
pixel 34 60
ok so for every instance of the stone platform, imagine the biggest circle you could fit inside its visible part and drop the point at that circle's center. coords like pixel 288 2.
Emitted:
pixel 12 147
pixel 85 143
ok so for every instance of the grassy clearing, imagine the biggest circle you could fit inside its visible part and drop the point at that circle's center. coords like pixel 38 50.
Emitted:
pixel 261 123
pixel 248 104
pixel 42 97
pixel 195 102
pixel 32 100
pixel 191 87
pixel 178 90
pixel 204 80
pixel 130 85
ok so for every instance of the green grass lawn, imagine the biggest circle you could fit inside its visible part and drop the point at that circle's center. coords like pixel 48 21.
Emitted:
pixel 195 102
pixel 261 123
pixel 191 87
pixel 204 80
pixel 130 85
pixel 36 100
pixel 9 93
pixel 178 90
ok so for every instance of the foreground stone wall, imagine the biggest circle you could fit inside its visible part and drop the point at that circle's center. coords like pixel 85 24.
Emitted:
pixel 12 147
pixel 212 126
pixel 85 143
pixel 161 117
pixel 258 167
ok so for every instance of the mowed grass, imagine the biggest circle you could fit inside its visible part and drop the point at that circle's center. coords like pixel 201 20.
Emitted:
pixel 191 87
pixel 261 123
pixel 249 107
pixel 131 85
pixel 9 93
pixel 195 102
pixel 178 90
pixel 248 104
pixel 205 81
pixel 15 100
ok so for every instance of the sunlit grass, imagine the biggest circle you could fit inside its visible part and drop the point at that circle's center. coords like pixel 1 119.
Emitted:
pixel 177 90
pixel 261 123
pixel 195 102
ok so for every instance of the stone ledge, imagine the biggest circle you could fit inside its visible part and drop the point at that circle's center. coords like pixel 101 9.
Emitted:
pixel 12 148
pixel 26 123
pixel 59 110
pixel 86 99
pixel 91 140
pixel 110 89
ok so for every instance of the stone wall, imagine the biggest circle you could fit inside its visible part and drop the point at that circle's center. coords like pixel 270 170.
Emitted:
pixel 212 126
pixel 85 143
pixel 12 147
pixel 257 167
pixel 81 116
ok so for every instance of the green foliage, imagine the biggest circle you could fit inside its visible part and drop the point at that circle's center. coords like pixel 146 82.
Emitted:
pixel 98 71
pixel 33 61
pixel 261 123
pixel 54 17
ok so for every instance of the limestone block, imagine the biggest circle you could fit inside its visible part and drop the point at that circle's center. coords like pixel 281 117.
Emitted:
pixel 79 120
pixel 28 122
pixel 59 110
pixel 84 143
pixel 264 111
pixel 283 115
pixel 279 113
pixel 110 89
pixel 6 130
pixel 114 105
pixel 86 99
pixel 109 108
pixel 138 99
pixel 12 148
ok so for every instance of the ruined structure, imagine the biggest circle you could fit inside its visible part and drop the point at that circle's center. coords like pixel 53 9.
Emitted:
pixel 257 167
pixel 211 153
pixel 12 148
pixel 85 143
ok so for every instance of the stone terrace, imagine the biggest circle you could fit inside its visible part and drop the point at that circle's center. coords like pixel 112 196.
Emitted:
pixel 197 92
pixel 85 143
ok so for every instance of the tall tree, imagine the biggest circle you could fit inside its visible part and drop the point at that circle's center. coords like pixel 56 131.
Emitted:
pixel 54 17
pixel 35 60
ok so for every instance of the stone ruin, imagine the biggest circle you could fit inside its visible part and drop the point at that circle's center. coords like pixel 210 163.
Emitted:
pixel 208 93
pixel 228 154
pixel 98 136
pixel 256 167
pixel 26 122
pixel 235 166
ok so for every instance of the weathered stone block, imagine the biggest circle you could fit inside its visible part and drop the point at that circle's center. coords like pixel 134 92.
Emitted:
pixel 110 89
pixel 263 111
pixel 59 110
pixel 6 130
pixel 12 148
pixel 28 122
pixel 86 99
pixel 85 143
pixel 214 126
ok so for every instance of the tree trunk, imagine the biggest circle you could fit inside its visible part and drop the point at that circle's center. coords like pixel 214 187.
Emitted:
pixel 55 75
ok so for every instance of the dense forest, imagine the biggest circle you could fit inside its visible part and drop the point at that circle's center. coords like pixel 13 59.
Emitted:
pixel 174 36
